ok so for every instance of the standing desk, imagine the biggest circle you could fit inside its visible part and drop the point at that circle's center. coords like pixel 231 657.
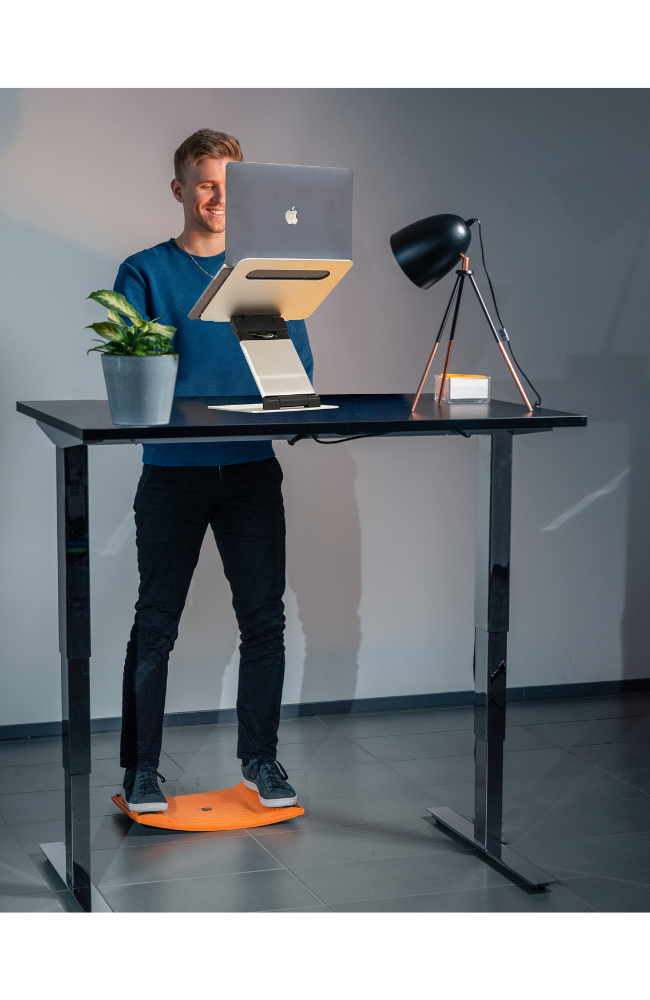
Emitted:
pixel 73 425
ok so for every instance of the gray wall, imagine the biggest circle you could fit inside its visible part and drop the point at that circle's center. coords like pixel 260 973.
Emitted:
pixel 381 532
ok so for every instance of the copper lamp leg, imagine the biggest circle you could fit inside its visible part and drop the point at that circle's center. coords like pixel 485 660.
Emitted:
pixel 424 377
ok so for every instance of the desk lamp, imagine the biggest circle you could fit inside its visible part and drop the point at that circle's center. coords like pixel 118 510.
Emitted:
pixel 426 251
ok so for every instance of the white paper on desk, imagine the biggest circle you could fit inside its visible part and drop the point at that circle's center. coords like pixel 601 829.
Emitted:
pixel 258 408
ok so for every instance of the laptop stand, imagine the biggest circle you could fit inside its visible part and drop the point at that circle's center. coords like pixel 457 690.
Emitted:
pixel 274 362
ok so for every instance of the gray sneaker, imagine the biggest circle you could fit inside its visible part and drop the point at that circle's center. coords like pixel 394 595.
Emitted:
pixel 141 791
pixel 269 779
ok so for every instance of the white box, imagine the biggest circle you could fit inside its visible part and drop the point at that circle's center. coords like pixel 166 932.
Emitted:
pixel 464 388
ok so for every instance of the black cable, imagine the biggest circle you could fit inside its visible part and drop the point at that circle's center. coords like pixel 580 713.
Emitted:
pixel 496 308
pixel 315 437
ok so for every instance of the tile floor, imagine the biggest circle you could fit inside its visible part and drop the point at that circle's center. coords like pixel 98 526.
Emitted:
pixel 577 803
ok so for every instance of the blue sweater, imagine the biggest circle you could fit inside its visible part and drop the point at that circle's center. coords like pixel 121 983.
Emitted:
pixel 165 282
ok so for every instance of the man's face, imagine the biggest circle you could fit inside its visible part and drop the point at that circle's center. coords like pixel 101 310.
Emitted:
pixel 203 195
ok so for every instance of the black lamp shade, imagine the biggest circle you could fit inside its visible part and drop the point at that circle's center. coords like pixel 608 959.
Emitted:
pixel 427 250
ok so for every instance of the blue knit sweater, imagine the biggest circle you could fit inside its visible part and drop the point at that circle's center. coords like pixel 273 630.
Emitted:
pixel 165 282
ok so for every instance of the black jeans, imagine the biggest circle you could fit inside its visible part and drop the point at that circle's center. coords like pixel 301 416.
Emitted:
pixel 173 507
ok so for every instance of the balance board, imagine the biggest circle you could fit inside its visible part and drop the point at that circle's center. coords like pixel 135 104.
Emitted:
pixel 235 808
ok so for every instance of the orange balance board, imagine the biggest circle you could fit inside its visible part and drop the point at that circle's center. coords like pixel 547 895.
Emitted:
pixel 235 808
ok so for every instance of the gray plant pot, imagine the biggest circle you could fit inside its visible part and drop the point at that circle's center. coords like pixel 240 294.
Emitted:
pixel 140 389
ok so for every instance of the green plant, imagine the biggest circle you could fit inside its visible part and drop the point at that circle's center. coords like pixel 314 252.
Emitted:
pixel 140 337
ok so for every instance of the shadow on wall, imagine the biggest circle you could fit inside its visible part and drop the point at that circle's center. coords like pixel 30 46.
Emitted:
pixel 609 388
pixel 324 563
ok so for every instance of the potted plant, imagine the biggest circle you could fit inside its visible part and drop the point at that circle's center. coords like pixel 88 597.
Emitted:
pixel 139 365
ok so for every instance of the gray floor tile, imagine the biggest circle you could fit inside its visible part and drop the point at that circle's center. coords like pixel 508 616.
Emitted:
pixel 577 787
pixel 31 778
pixel 303 909
pixel 43 902
pixel 180 860
pixel 308 730
pixel 104 745
pixel 321 844
pixel 345 779
pixel 615 756
pixel 575 709
pixel 496 899
pixel 391 877
pixel 437 770
pixel 9 843
pixel 27 807
pixel 367 806
pixel 520 738
pixel 199 763
pixel 208 739
pixel 611 855
pixel 336 752
pixel 19 875
pixel 634 777
pixel 418 746
pixel 598 731
pixel 561 821
pixel 402 722
pixel 416 833
pixel 535 763
pixel 611 895
pixel 40 750
pixel 247 892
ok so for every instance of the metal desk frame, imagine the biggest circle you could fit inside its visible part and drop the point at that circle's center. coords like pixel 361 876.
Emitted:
pixel 73 425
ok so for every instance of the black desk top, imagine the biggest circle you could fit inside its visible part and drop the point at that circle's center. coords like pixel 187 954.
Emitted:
pixel 89 421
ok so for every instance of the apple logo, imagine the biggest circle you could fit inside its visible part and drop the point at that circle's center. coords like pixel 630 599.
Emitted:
pixel 291 216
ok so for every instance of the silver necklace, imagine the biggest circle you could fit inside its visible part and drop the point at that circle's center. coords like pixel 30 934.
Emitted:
pixel 195 261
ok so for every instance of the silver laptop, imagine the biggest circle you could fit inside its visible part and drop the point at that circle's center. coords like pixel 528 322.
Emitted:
pixel 277 210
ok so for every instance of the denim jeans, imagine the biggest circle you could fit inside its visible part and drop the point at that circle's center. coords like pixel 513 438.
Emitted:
pixel 173 507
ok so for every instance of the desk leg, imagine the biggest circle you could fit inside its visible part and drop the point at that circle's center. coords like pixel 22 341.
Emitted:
pixel 491 620
pixel 72 860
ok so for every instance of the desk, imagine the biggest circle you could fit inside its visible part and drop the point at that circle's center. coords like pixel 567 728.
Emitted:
pixel 73 425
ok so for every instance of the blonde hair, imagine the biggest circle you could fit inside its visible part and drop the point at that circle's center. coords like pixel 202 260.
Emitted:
pixel 202 144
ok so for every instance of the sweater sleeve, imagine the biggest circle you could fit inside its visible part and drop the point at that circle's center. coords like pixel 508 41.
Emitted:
pixel 133 286
pixel 298 334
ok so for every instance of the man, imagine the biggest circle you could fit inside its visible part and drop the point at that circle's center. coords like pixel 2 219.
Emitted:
pixel 235 488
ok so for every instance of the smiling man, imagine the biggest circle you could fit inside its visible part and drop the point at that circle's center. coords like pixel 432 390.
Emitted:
pixel 233 488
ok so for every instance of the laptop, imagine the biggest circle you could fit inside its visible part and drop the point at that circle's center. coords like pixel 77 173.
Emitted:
pixel 279 213
pixel 275 210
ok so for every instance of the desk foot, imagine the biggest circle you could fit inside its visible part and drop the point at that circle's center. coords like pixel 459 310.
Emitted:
pixel 501 854
pixel 55 854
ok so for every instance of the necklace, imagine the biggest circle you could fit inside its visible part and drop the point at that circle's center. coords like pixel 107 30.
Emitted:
pixel 195 261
